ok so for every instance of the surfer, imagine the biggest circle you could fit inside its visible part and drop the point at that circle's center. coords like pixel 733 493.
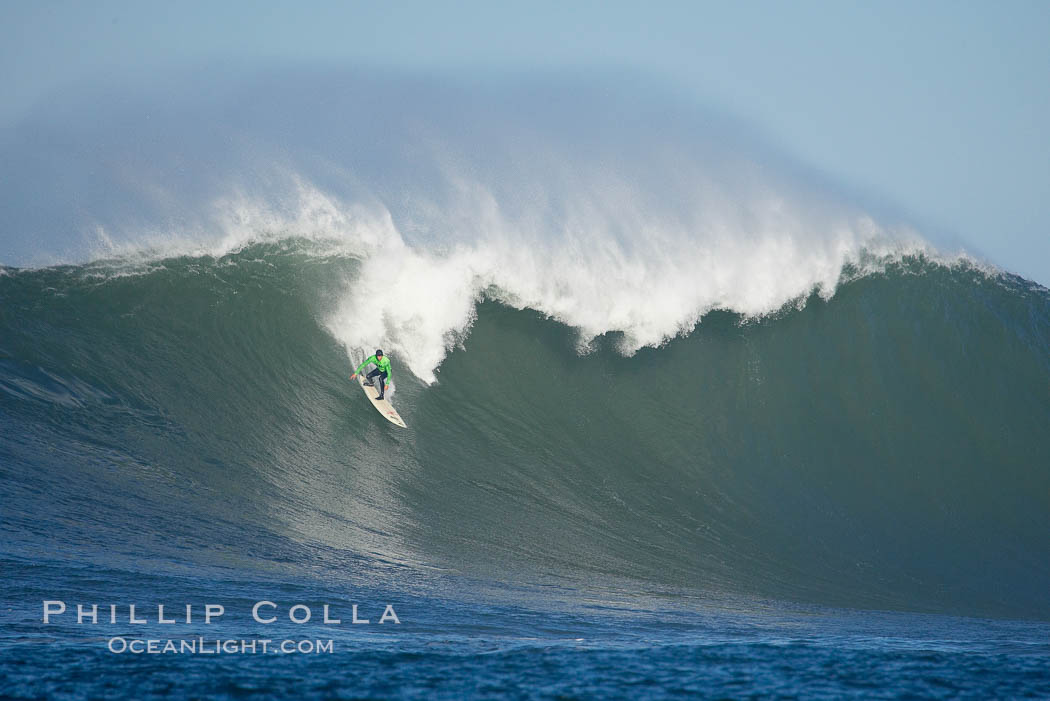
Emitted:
pixel 382 371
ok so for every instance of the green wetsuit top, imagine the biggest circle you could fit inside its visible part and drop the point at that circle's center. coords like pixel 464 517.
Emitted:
pixel 382 363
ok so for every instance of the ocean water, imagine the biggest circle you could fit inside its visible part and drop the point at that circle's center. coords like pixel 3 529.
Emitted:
pixel 847 498
pixel 683 421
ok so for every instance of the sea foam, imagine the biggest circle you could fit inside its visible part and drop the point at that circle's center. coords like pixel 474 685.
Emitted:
pixel 604 208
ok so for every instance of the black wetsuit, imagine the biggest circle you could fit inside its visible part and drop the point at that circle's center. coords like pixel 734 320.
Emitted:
pixel 382 380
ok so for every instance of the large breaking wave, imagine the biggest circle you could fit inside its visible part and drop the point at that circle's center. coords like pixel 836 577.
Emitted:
pixel 636 352
pixel 884 448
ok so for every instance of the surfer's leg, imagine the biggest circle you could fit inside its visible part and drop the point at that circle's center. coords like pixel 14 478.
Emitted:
pixel 382 383
pixel 369 377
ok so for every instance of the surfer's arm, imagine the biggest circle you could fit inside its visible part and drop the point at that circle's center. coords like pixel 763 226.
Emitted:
pixel 369 359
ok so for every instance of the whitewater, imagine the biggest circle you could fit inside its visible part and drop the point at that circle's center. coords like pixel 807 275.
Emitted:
pixel 545 196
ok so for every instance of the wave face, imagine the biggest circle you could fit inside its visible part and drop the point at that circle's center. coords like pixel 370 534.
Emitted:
pixel 884 447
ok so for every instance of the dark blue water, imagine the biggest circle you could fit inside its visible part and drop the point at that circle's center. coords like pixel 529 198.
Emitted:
pixel 556 644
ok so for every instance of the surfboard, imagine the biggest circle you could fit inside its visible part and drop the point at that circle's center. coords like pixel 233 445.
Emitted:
pixel 382 405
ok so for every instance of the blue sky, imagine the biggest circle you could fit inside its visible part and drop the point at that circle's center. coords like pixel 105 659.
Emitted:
pixel 940 108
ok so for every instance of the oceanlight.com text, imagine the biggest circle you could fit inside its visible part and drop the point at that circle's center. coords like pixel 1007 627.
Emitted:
pixel 230 646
